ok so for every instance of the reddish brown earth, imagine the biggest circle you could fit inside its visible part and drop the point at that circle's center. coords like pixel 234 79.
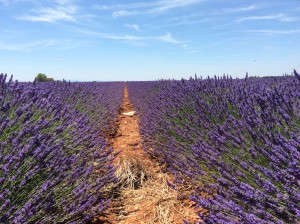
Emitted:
pixel 142 195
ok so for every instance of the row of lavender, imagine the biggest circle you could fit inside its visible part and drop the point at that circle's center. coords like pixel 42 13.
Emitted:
pixel 237 141
pixel 54 165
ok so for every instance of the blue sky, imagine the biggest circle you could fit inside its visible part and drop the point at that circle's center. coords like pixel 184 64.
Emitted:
pixel 112 40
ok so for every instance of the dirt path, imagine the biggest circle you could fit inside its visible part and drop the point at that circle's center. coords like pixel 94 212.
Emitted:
pixel 143 193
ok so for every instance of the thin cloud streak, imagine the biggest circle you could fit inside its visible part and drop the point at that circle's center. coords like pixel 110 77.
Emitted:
pixel 122 13
pixel 279 17
pixel 133 27
pixel 167 38
pixel 172 4
pixel 28 47
pixel 240 9
pixel 52 14
pixel 140 8
pixel 203 16
pixel 161 5
pixel 123 37
pixel 128 6
pixel 274 32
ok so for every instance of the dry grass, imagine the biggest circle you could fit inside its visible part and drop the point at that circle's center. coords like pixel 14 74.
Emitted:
pixel 147 195
pixel 131 173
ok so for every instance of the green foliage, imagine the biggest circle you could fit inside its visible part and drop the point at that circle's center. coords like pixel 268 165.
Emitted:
pixel 41 77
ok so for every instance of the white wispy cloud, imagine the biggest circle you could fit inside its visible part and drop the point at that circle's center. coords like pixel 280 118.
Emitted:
pixel 239 9
pixel 140 8
pixel 200 17
pixel 124 13
pixel 168 38
pixel 279 17
pixel 274 32
pixel 51 14
pixel 11 47
pixel 219 12
pixel 135 5
pixel 27 47
pixel 123 37
pixel 172 4
pixel 133 27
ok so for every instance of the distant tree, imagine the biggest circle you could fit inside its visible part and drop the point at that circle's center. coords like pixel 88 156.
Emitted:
pixel 41 77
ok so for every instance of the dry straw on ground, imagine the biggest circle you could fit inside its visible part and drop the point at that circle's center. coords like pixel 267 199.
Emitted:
pixel 142 194
pixel 147 196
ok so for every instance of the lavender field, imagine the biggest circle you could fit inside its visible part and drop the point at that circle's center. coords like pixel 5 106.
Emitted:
pixel 51 145
pixel 236 141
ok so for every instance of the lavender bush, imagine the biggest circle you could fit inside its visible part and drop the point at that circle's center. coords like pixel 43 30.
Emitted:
pixel 237 141
pixel 54 164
